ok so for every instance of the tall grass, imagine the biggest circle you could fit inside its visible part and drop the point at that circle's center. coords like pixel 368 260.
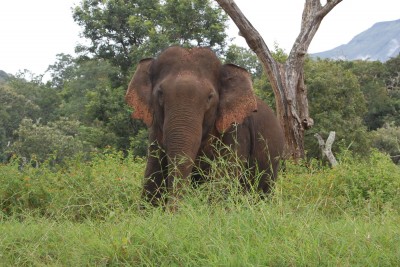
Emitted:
pixel 85 214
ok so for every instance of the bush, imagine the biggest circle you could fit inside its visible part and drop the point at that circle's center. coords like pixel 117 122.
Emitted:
pixel 139 143
pixel 387 140
pixel 106 186
pixel 58 140
pixel 369 185
pixel 38 142
pixel 111 184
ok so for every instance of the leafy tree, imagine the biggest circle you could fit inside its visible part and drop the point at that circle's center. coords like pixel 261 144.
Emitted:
pixel 63 138
pixel 14 108
pixel 337 104
pixel 60 139
pixel 123 32
pixel 90 96
pixel 194 22
pixel 23 96
pixel 392 81
pixel 62 70
pixel 392 77
pixel 86 79
pixel 370 75
pixel 33 89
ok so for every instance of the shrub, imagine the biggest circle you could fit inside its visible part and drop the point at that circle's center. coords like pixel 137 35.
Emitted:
pixel 371 185
pixel 98 189
pixel 387 140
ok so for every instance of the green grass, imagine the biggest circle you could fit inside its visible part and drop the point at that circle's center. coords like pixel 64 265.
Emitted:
pixel 86 214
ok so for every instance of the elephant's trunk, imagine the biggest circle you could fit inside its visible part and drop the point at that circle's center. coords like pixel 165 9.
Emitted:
pixel 182 138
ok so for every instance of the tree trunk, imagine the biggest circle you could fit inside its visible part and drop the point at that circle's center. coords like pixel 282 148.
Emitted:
pixel 287 79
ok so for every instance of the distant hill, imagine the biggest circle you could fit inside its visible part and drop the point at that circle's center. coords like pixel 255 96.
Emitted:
pixel 380 42
pixel 3 76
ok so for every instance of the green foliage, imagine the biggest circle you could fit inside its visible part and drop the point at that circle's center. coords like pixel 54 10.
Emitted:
pixel 263 89
pixel 336 104
pixel 62 70
pixel 56 140
pixel 197 22
pixel 92 95
pixel 78 191
pixel 279 54
pixel 123 32
pixel 33 89
pixel 370 77
pixel 19 99
pixel 355 186
pixel 139 143
pixel 13 108
pixel 392 75
pixel 387 140
pixel 392 81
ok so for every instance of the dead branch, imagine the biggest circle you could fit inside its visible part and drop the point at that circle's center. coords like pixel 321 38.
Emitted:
pixel 326 147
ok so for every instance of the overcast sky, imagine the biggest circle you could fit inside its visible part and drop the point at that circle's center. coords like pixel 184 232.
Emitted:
pixel 33 32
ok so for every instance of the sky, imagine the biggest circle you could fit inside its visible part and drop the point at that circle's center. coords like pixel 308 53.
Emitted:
pixel 32 33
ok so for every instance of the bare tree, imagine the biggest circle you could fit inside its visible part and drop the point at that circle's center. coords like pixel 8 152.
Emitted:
pixel 287 79
pixel 326 147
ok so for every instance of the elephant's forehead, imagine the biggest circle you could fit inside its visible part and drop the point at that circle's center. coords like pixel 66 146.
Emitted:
pixel 197 60
pixel 191 72
pixel 188 53
pixel 190 78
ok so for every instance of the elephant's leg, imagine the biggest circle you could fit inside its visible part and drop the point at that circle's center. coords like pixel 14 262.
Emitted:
pixel 156 173
pixel 240 141
pixel 268 178
pixel 266 163
pixel 265 183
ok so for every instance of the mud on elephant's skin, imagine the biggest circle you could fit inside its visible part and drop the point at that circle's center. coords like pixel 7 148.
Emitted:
pixel 188 99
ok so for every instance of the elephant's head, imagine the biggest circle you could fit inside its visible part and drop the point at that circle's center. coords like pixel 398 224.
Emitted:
pixel 186 94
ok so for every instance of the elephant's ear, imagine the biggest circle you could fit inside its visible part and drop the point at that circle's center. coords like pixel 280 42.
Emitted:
pixel 237 99
pixel 138 95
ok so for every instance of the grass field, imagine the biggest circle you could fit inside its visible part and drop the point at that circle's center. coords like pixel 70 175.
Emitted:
pixel 86 214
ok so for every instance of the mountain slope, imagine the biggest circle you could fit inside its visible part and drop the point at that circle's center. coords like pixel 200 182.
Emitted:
pixel 380 42
pixel 3 76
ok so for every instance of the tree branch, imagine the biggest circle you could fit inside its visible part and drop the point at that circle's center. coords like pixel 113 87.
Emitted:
pixel 330 4
pixel 326 147
pixel 249 33
pixel 313 14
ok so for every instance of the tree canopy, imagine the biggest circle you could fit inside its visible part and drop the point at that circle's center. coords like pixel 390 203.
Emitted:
pixel 125 31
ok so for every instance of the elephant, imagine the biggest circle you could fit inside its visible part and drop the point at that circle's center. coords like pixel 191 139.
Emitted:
pixel 189 100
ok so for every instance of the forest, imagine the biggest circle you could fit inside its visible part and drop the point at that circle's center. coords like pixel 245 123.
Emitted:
pixel 77 106
pixel 81 109
pixel 72 158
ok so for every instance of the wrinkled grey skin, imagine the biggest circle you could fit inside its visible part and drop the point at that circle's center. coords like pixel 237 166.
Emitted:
pixel 188 100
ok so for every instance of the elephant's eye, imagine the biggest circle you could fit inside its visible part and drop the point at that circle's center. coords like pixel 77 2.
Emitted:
pixel 210 96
